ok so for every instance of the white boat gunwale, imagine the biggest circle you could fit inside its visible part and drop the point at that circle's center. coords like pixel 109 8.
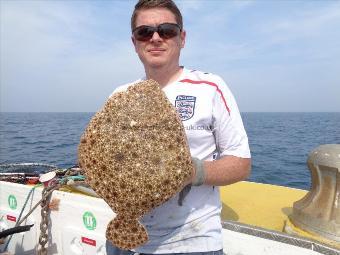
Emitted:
pixel 279 237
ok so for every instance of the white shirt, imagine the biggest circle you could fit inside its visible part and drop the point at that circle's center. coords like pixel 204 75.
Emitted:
pixel 214 128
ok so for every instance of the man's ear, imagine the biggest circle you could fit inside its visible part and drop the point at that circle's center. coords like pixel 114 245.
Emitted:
pixel 183 36
pixel 133 41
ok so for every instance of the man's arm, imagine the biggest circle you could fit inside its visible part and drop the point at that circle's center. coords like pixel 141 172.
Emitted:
pixel 224 171
pixel 227 170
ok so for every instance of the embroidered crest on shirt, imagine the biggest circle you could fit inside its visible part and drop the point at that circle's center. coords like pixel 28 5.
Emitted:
pixel 185 106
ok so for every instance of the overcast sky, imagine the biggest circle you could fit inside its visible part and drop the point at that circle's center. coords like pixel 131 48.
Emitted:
pixel 68 56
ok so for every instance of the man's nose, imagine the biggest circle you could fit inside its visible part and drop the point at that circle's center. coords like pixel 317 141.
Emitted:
pixel 155 37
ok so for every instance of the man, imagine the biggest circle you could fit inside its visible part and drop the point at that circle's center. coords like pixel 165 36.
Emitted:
pixel 189 222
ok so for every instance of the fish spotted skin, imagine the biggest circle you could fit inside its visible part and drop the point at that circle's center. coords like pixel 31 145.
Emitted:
pixel 135 156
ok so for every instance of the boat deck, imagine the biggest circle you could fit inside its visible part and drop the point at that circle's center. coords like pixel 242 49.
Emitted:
pixel 273 204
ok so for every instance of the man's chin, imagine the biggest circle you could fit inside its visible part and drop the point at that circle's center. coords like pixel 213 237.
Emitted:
pixel 156 64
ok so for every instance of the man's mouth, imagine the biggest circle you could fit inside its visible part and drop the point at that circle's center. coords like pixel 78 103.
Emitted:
pixel 156 50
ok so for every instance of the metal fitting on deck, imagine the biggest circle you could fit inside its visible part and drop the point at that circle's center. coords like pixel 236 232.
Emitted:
pixel 319 211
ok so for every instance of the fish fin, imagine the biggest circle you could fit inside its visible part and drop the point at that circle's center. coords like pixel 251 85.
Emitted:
pixel 125 233
pixel 184 192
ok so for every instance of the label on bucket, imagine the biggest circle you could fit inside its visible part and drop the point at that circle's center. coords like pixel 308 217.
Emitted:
pixel 11 218
pixel 12 202
pixel 88 241
pixel 89 221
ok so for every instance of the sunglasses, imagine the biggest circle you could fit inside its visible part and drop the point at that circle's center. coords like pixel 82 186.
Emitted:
pixel 165 31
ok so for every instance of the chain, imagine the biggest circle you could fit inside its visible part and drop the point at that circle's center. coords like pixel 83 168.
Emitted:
pixel 43 238
pixel 45 202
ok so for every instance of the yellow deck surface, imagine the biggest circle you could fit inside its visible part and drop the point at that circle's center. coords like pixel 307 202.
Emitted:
pixel 261 205
pixel 266 206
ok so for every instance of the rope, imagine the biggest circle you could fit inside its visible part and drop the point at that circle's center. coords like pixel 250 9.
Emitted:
pixel 40 201
pixel 22 210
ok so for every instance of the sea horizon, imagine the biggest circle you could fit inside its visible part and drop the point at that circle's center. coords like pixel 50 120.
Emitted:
pixel 240 111
pixel 279 141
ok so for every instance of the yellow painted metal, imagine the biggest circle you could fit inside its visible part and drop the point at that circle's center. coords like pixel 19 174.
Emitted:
pixel 290 228
pixel 257 204
pixel 266 206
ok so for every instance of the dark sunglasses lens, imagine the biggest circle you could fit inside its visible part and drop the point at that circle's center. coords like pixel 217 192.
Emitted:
pixel 143 33
pixel 167 31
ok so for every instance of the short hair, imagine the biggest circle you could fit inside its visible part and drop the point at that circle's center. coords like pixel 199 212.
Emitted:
pixel 149 4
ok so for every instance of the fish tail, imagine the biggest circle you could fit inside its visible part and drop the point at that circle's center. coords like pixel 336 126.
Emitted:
pixel 126 233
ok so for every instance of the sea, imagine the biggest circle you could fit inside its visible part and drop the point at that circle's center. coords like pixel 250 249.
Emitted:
pixel 279 142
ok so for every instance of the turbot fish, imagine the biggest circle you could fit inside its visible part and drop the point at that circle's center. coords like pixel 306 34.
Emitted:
pixel 135 156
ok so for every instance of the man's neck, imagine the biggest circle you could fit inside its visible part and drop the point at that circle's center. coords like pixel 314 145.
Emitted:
pixel 164 75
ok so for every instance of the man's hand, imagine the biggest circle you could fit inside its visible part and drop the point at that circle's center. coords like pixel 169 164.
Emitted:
pixel 199 172
pixel 197 166
pixel 224 171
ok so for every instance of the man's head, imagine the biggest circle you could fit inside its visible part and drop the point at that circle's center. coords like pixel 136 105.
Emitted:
pixel 157 33
pixel 149 4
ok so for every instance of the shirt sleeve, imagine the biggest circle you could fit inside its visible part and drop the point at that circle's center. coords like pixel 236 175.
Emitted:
pixel 230 135
pixel 123 88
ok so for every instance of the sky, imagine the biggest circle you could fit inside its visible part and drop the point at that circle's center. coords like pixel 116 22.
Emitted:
pixel 68 56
